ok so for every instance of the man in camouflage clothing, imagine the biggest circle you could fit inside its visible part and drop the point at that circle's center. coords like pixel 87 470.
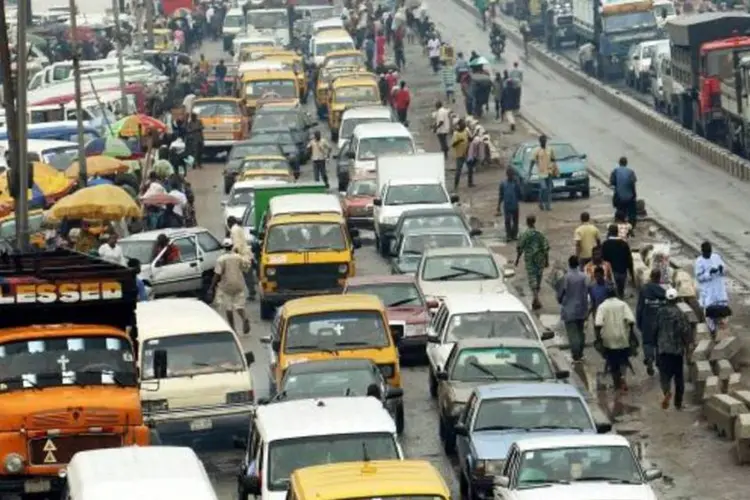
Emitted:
pixel 534 248
pixel 674 335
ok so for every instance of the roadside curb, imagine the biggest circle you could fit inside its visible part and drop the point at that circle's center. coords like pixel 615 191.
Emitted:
pixel 726 161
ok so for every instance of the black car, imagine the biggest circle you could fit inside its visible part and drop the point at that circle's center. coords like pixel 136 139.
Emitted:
pixel 242 150
pixel 433 218
pixel 294 120
pixel 339 377
pixel 283 139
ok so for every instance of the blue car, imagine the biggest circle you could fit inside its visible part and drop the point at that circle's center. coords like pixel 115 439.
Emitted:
pixel 573 178
pixel 499 414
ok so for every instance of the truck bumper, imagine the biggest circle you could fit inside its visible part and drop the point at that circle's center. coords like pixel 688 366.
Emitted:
pixel 30 484
pixel 208 428
pixel 280 297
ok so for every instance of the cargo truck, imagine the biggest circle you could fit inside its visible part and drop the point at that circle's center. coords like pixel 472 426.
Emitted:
pixel 612 28
pixel 68 380
pixel 736 105
pixel 704 48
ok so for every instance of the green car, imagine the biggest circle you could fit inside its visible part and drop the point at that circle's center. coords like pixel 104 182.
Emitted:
pixel 573 178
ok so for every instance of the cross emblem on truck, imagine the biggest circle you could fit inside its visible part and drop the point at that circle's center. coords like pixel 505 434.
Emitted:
pixel 63 362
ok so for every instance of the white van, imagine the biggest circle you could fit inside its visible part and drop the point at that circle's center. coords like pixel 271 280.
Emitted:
pixel 195 379
pixel 145 473
pixel 289 435
pixel 63 70
pixel 308 203
pixel 234 24
pixel 372 140
pixel 359 115
pixel 321 46
pixel 332 23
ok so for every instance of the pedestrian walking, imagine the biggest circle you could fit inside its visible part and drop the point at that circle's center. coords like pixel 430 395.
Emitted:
pixel 228 284
pixel 598 290
pixel 220 73
pixel 617 253
pixel 497 95
pixel 615 339
pixel 544 161
pixel 534 248
pixel 586 237
pixel 442 126
pixel 674 336
pixel 476 154
pixel 598 261
pixel 433 51
pixel 379 50
pixel 319 150
pixel 508 204
pixel 650 299
pixel 398 50
pixel 622 180
pixel 460 146
pixel 111 251
pixel 239 245
pixel 573 297
pixel 624 228
pixel 712 291
pixel 194 140
pixel 449 81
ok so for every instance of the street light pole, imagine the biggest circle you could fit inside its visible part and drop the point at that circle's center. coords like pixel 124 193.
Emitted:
pixel 120 64
pixel 82 172
pixel 22 166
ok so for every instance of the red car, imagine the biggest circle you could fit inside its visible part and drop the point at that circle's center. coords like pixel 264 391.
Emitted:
pixel 408 309
pixel 358 202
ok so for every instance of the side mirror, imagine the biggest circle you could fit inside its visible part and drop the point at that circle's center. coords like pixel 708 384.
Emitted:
pixel 432 304
pixel 231 52
pixel 265 340
pixel 562 374
pixel 394 392
pixel 249 358
pixel 354 232
pixel 393 248
pixel 548 335
pixel 454 198
pixel 252 485
pixel 263 401
pixel 433 339
pixel 652 474
pixel 603 427
pixel 350 155
pixel 239 443
pixel 460 429
pixel 636 57
pixel 254 232
pixel 335 156
pixel 501 481
pixel 357 242
pixel 224 203
pixel 377 202
pixel 160 364
pixel 442 375
pixel 509 273
pixel 584 156
pixel 475 232
pixel 276 345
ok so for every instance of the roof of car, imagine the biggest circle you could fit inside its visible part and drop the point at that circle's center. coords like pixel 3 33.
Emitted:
pixel 177 316
pixel 332 303
pixel 254 183
pixel 434 230
pixel 436 211
pixel 483 302
pixel 451 252
pixel 321 417
pixel 571 441
pixel 330 365
pixel 170 232
pixel 367 112
pixel 380 279
pixel 488 343
pixel 381 129
pixel 306 203
pixel 533 389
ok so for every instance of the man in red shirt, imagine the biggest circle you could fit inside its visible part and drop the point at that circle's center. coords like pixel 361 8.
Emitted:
pixel 391 79
pixel 401 101
pixel 379 50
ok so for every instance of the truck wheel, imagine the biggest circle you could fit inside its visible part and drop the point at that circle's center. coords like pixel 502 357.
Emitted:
pixel 228 182
pixel 266 310
pixel 433 385
pixel 400 418
pixel 383 247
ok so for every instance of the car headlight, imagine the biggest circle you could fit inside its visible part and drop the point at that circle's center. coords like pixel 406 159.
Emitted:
pixel 270 271
pixel 489 467
pixel 457 408
pixel 580 173
pixel 13 463
pixel 154 405
pixel 343 268
pixel 239 397
pixel 534 177
pixel 415 330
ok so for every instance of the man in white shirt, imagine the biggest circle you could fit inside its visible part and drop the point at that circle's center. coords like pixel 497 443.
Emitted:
pixel 240 246
pixel 615 338
pixel 442 126
pixel 154 186
pixel 433 50
pixel 112 252
pixel 179 208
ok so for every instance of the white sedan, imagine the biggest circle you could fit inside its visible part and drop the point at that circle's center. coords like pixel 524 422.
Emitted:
pixel 574 467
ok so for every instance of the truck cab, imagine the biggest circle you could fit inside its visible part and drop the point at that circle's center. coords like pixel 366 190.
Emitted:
pixel 69 381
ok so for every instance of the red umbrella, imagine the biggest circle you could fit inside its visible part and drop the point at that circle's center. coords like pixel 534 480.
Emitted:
pixel 160 199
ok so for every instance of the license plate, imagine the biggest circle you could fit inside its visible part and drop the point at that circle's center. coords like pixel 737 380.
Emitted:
pixel 37 486
pixel 558 183
pixel 201 424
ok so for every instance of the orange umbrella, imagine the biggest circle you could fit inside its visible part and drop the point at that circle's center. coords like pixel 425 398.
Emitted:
pixel 97 165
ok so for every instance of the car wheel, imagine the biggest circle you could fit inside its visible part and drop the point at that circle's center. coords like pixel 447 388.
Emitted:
pixel 433 385
pixel 227 185
pixel 526 193
pixel 382 246
pixel 266 310
pixel 463 485
pixel 585 193
pixel 449 440
pixel 400 418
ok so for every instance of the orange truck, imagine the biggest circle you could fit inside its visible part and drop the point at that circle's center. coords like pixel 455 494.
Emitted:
pixel 68 376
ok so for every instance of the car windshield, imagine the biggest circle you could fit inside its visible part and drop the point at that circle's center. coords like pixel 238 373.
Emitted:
pixel 630 21
pixel 335 330
pixel 350 382
pixel 491 324
pixel 243 150
pixel 286 456
pixel 233 21
pixel 270 164
pixel 194 354
pixel 391 294
pixel 323 48
pixel 302 237
pixel 216 108
pixel 652 50
pixel 348 124
pixel 564 152
pixel 372 147
pixel 268 19
pixel 241 196
pixel 416 244
pixel 274 137
pixel 248 216
pixel 572 464
pixel 276 121
pixel 8 227
pixel 344 60
pixel 61 157
pixel 460 268
pixel 356 93
pixel 501 363
pixel 664 10
pixel 362 187
pixel 532 413
pixel 432 221
pixel 141 250
pixel 416 194
pixel 58 361
pixel 271 88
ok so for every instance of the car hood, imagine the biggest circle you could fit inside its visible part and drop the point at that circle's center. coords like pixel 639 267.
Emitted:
pixel 410 315
pixel 494 445
pixel 407 265
pixel 442 289
pixel 358 201
pixel 590 491
pixel 234 211
pixel 462 390
pixel 572 165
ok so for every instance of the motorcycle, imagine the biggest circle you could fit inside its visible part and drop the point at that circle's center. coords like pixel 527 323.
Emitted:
pixel 497 45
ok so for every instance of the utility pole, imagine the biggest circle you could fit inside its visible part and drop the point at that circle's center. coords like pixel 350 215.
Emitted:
pixel 120 64
pixel 83 177
pixel 149 23
pixel 139 24
pixel 22 166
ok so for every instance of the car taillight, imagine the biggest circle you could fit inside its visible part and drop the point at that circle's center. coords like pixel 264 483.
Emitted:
pixel 388 371
pixel 239 397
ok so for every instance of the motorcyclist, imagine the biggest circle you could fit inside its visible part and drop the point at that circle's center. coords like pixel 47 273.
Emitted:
pixel 497 39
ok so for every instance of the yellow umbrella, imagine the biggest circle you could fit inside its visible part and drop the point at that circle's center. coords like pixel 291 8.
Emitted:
pixel 97 165
pixel 48 182
pixel 102 202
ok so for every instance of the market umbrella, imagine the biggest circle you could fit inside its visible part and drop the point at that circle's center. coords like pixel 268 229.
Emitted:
pixel 160 199
pixel 97 165
pixel 479 61
pixel 104 202
pixel 48 184
pixel 135 125
pixel 114 147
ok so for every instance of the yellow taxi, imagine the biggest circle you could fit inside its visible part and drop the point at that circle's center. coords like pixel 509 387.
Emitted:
pixel 256 168
pixel 343 58
pixel 396 479
pixel 162 39
pixel 224 122
pixel 351 326
pixel 293 61
pixel 257 51
pixel 325 77
pixel 354 89
pixel 36 220
pixel 269 83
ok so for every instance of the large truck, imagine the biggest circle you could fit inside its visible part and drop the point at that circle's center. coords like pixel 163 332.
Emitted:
pixel 736 105
pixel 704 48
pixel 68 376
pixel 612 28
pixel 532 11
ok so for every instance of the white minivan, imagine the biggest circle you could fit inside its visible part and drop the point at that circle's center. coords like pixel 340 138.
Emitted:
pixel 195 379
pixel 359 115
pixel 372 140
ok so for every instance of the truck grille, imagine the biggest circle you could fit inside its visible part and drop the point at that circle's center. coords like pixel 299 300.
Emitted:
pixel 308 276
pixel 60 450
pixel 89 418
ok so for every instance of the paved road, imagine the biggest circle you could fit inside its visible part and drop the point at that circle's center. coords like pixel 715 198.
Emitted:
pixel 689 195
